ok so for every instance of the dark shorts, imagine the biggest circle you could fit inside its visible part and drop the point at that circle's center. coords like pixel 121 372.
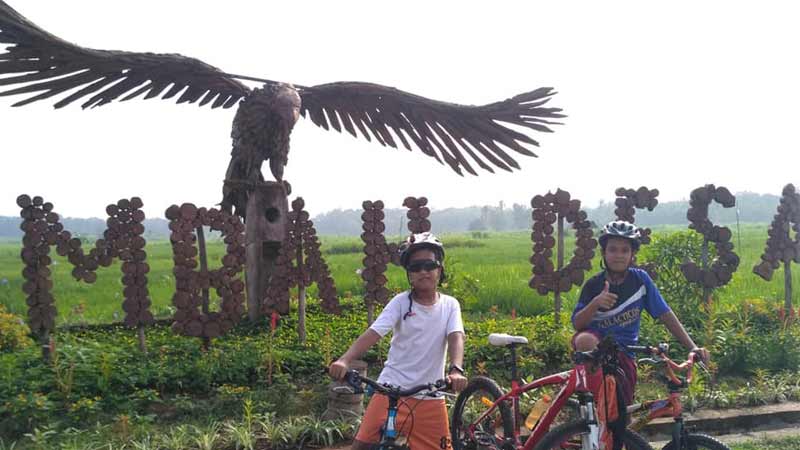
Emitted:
pixel 626 374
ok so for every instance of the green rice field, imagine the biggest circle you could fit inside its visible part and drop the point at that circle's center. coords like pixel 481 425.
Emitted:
pixel 496 262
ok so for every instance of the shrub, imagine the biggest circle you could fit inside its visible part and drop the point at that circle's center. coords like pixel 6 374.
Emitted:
pixel 548 348
pixel 667 252
pixel 14 333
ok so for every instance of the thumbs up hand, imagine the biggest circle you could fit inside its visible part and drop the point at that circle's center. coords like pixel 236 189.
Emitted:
pixel 605 300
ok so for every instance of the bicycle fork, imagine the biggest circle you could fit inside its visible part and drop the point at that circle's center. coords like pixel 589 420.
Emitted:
pixel 590 440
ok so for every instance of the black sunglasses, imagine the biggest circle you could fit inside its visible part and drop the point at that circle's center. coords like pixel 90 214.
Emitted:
pixel 426 264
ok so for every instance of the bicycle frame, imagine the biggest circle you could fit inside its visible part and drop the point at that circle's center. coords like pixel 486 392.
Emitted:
pixel 573 381
pixel 666 407
pixel 389 433
pixel 670 406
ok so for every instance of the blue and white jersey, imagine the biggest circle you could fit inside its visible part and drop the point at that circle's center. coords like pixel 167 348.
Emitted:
pixel 635 293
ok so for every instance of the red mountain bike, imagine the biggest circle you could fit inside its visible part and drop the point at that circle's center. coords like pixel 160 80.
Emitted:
pixel 484 417
pixel 644 412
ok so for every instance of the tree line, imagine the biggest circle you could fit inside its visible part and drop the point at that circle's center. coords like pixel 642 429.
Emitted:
pixel 750 207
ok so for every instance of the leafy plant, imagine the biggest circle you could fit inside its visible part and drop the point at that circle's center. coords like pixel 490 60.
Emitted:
pixel 460 284
pixel 106 368
pixel 40 438
pixel 14 333
pixel 145 443
pixel 63 373
pixel 206 438
pixel 176 439
pixel 83 408
pixel 24 410
pixel 240 435
pixel 718 398
pixel 268 428
pixel 750 395
pixel 76 443
pixel 293 433
pixel 667 251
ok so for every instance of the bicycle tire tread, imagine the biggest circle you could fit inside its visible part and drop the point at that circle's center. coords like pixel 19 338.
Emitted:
pixel 490 386
pixel 702 440
pixel 632 440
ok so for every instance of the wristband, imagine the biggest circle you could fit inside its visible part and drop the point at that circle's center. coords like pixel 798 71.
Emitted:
pixel 455 367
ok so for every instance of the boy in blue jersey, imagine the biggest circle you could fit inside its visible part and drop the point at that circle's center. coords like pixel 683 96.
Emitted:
pixel 612 301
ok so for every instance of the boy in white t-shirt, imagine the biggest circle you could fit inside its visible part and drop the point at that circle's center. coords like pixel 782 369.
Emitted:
pixel 426 326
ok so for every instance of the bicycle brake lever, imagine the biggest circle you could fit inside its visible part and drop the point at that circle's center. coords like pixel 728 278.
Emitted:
pixel 344 390
pixel 354 380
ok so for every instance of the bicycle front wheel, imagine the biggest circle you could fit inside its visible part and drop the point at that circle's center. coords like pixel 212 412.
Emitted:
pixel 466 431
pixel 698 441
pixel 569 436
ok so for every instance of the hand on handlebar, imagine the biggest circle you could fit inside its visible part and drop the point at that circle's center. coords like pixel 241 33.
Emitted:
pixel 703 354
pixel 356 382
pixel 457 382
pixel 701 358
pixel 338 369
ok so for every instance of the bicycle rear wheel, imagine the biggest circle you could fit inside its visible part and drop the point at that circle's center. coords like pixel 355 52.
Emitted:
pixel 568 436
pixel 490 433
pixel 697 442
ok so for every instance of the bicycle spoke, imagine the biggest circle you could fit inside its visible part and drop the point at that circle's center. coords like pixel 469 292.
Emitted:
pixel 473 426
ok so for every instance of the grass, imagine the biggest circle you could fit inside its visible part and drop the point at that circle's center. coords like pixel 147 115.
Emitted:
pixel 789 443
pixel 499 262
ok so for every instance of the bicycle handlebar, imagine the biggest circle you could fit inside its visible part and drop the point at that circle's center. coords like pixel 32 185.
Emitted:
pixel 606 352
pixel 660 357
pixel 355 380
pixel 661 351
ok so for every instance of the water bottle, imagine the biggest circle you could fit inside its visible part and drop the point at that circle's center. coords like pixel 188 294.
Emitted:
pixel 537 411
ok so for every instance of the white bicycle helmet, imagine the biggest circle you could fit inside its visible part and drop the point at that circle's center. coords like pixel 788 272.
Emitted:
pixel 419 241
pixel 621 229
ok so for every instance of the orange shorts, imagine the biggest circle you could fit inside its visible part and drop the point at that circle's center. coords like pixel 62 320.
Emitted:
pixel 423 422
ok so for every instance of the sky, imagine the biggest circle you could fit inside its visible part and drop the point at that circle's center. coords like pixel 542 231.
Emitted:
pixel 669 95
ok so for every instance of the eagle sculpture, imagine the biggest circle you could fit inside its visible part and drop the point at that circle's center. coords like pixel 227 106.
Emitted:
pixel 38 63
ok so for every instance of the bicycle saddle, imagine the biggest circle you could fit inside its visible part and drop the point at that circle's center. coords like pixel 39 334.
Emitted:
pixel 503 339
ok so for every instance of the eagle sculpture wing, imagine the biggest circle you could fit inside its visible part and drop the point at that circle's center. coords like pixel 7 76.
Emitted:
pixel 445 131
pixel 50 66
pixel 42 64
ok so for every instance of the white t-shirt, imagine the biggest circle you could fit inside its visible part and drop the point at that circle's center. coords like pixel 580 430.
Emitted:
pixel 418 349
